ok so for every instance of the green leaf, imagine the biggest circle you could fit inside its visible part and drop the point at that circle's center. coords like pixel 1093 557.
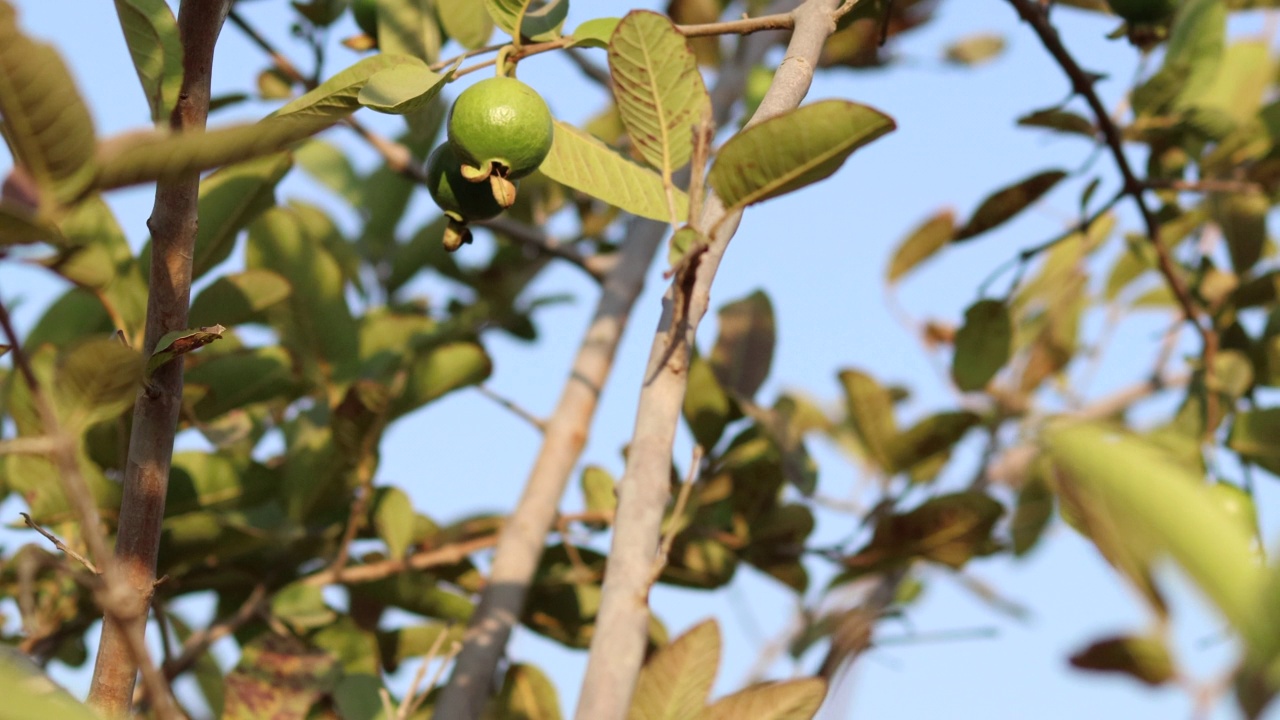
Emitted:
pixel 440 371
pixel 393 519
pixel 403 89
pixel 1243 219
pixel 658 89
pixel 302 606
pixel 409 28
pixel 1255 434
pixel 1063 121
pixel 792 150
pixel 151 32
pixel 870 408
pixel 923 243
pixel 975 49
pixel 1031 514
pixel 946 529
pixel 526 694
pixel 238 298
pixel 537 20
pixel 95 380
pixel 225 382
pixel 1242 81
pixel 586 164
pixel 1196 43
pixel 208 481
pixel 338 97
pixel 46 122
pixel 743 352
pixel 357 698
pixel 932 437
pixel 1146 659
pixel 230 199
pixel 599 489
pixel 180 342
pixel 983 345
pixel 1002 205
pixel 788 700
pixel 29 693
pixel 467 22
pixel 707 407
pixel 1150 500
pixel 314 322
pixel 150 156
pixel 332 168
pixel 676 682
pixel 595 33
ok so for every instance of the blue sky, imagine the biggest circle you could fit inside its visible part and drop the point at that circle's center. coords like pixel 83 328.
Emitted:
pixel 821 255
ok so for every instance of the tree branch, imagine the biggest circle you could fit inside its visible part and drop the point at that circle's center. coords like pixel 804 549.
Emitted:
pixel 617 648
pixel 1082 84
pixel 173 230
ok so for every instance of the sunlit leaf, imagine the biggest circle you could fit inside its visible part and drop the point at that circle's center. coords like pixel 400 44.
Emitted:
pixel 658 89
pixel 788 700
pixel 238 297
pixel 440 371
pixel 923 243
pixel 792 150
pixel 586 164
pixel 301 606
pixel 870 408
pixel 935 435
pixel 393 519
pixel 46 122
pixel 409 28
pixel 175 344
pixel 229 200
pixel 707 407
pixel 675 683
pixel 467 22
pixel 595 33
pixel 402 89
pixel 151 32
pixel 975 49
pixel 96 380
pixel 1156 502
pixel 338 96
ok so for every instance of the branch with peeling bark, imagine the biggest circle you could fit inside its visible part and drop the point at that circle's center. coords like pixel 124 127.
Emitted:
pixel 621 627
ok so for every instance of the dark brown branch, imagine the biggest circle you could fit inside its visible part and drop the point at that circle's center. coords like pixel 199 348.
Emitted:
pixel 1082 83
pixel 173 230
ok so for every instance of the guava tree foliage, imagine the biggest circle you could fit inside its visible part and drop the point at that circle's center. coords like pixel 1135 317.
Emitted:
pixel 695 126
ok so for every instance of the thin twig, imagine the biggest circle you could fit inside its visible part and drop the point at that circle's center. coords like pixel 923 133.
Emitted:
pixel 1082 83
pixel 446 555
pixel 743 26
pixel 200 641
pixel 538 423
pixel 535 238
pixel 61 545
pixel 677 514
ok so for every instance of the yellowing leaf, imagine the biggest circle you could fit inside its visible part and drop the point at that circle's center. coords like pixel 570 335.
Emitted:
pixel 926 240
pixel 792 150
pixel 789 700
pixel 675 682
